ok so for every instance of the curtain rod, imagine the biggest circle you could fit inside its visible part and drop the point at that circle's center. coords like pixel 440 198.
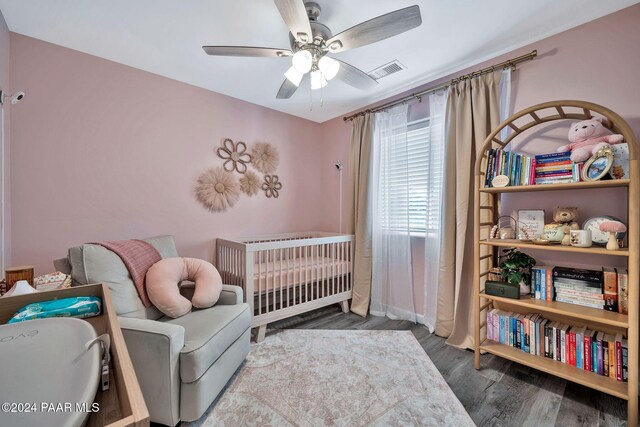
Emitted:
pixel 504 64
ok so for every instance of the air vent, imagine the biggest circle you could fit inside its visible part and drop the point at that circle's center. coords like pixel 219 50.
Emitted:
pixel 387 69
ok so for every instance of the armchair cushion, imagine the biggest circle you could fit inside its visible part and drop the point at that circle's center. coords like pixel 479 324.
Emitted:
pixel 208 333
pixel 96 264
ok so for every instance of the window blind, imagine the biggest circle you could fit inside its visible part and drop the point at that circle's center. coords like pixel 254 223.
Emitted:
pixel 422 174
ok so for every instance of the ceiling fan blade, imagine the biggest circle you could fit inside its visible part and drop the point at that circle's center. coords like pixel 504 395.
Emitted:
pixel 376 29
pixel 246 51
pixel 355 77
pixel 286 90
pixel 294 15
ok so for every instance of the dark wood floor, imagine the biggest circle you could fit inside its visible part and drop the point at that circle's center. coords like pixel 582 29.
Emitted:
pixel 502 393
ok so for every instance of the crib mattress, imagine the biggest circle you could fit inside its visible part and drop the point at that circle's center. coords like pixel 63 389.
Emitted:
pixel 271 275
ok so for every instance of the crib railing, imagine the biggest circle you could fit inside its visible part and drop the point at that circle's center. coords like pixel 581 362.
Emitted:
pixel 287 274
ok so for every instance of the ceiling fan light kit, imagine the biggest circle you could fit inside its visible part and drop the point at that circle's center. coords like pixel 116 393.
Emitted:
pixel 311 41
pixel 302 61
pixel 318 80
pixel 294 76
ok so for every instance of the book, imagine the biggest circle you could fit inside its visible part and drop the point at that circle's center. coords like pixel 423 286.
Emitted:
pixel 597 297
pixel 580 303
pixel 605 355
pixel 563 343
pixel 610 281
pixel 594 352
pixel 625 360
pixel 553 180
pixel 560 164
pixel 578 285
pixel 618 358
pixel 623 291
pixel 549 284
pixel 611 346
pixel 556 173
pixel 577 274
pixel 599 353
pixel 489 322
pixel 580 335
pixel 587 350
pixel 553 157
pixel 536 282
pixel 544 341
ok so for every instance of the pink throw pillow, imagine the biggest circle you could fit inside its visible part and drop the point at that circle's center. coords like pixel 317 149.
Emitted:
pixel 164 277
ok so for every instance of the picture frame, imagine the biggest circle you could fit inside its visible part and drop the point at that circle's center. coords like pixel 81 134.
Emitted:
pixel 533 221
pixel 598 166
pixel 620 167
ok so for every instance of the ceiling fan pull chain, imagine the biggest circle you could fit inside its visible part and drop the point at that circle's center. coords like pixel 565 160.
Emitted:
pixel 310 99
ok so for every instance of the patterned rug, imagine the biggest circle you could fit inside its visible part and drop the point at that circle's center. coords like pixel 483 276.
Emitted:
pixel 337 378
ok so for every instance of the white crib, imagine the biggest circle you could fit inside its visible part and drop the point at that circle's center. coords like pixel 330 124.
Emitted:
pixel 291 273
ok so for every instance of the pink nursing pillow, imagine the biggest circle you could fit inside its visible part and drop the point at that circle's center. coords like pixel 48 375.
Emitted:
pixel 164 276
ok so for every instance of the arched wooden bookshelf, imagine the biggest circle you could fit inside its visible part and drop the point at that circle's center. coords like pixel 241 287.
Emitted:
pixel 487 211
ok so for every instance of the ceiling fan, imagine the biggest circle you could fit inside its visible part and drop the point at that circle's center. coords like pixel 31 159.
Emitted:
pixel 311 41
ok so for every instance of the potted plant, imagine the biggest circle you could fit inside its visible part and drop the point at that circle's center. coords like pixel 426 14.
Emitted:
pixel 515 267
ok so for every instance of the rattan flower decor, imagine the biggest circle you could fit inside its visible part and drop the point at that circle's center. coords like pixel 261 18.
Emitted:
pixel 250 183
pixel 217 189
pixel 235 155
pixel 264 157
pixel 271 186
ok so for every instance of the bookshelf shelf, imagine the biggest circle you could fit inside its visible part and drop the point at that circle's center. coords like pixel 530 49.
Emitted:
pixel 562 370
pixel 595 315
pixel 556 187
pixel 596 250
pixel 487 211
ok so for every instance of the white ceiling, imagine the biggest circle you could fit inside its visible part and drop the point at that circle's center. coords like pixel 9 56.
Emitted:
pixel 165 37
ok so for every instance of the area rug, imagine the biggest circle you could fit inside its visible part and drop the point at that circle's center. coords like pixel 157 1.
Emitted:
pixel 337 378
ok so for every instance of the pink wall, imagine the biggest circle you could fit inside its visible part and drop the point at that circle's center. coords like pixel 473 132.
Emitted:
pixel 104 151
pixel 5 85
pixel 596 62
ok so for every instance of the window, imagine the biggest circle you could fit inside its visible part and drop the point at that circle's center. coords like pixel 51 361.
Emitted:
pixel 423 174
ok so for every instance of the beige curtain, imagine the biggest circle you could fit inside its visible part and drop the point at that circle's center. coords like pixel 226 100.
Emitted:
pixel 360 167
pixel 473 110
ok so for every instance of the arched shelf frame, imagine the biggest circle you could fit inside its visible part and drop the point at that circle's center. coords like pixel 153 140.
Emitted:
pixel 487 210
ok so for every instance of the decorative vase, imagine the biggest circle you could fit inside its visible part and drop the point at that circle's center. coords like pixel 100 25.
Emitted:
pixel 525 289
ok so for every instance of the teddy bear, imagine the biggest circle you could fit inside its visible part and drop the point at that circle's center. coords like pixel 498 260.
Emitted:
pixel 589 136
pixel 567 219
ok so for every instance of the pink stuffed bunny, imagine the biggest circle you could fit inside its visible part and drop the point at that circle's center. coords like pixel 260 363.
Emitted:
pixel 587 137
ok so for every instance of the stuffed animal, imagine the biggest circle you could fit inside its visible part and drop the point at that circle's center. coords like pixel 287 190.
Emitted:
pixel 587 137
pixel 164 277
pixel 567 219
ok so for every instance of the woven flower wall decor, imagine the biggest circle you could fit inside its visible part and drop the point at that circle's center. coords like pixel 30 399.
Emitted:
pixel 271 186
pixel 250 183
pixel 235 155
pixel 217 189
pixel 264 157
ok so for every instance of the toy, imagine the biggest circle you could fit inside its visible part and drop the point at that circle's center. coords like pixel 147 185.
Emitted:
pixel 566 219
pixel 587 137
pixel 164 277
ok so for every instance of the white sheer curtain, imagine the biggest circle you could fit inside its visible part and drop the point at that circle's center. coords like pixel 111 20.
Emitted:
pixel 505 101
pixel 392 277
pixel 435 185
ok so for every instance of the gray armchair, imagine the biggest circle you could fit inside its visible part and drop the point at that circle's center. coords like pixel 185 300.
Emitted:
pixel 181 364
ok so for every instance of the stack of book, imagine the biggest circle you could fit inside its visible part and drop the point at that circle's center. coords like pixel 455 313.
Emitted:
pixel 518 167
pixel 578 286
pixel 594 351
pixel 556 168
pixel 606 289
